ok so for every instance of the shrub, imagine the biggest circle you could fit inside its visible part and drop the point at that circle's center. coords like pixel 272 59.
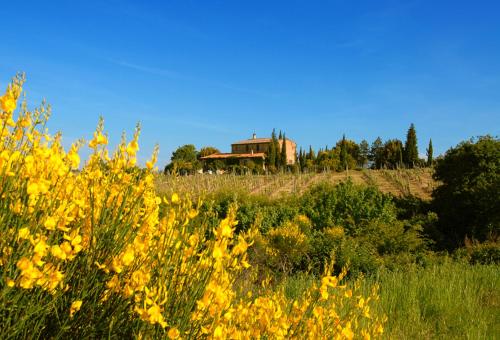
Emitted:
pixel 346 204
pixel 476 252
pixel 467 201
pixel 253 209
pixel 95 253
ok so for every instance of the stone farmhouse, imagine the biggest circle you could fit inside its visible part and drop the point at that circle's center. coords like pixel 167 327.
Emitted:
pixel 253 150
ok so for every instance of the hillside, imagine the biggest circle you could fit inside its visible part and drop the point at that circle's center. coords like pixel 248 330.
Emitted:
pixel 416 182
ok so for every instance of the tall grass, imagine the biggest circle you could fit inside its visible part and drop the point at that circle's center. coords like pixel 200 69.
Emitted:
pixel 445 301
pixel 451 300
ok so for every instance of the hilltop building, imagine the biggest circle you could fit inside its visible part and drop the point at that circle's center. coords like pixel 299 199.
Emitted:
pixel 253 150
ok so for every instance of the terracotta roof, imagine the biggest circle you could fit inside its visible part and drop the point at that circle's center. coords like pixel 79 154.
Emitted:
pixel 235 155
pixel 253 141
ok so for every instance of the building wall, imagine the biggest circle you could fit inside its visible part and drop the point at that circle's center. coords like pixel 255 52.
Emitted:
pixel 291 149
pixel 248 148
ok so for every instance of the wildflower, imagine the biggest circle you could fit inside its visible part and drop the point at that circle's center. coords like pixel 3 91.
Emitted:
pixel 53 277
pixel 75 307
pixel 128 256
pixel 175 198
pixel 218 252
pixel 192 213
pixel 218 332
pixel 74 158
pixel 23 233
pixel 241 247
pixel 8 102
pixel 41 248
pixel 225 227
pixel 99 138
pixel 173 333
pixel 57 252
pixel 50 223
pixel 347 331
pixel 155 315
pixel 132 148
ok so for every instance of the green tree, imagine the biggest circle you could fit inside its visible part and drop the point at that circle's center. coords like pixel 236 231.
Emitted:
pixel 467 201
pixel 302 159
pixel 207 151
pixel 429 153
pixel 277 158
pixel 343 154
pixel 393 153
pixel 377 153
pixel 364 152
pixel 271 153
pixel 410 153
pixel 184 160
pixel 283 158
pixel 347 151
pixel 311 155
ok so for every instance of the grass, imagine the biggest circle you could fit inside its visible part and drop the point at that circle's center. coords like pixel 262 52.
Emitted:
pixel 446 301
pixel 451 300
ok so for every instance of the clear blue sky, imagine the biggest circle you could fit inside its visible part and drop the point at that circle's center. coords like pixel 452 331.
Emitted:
pixel 213 72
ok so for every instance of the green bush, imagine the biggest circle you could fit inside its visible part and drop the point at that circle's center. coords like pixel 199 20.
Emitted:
pixel 252 210
pixel 358 257
pixel 487 253
pixel 346 204
pixel 467 202
pixel 479 253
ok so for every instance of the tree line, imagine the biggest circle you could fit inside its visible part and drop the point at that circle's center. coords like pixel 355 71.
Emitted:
pixel 347 154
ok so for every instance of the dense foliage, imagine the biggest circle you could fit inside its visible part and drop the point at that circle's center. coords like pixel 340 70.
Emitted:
pixel 467 201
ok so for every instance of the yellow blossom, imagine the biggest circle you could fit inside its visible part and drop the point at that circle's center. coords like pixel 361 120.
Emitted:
pixel 50 223
pixel 23 233
pixel 132 147
pixel 57 252
pixel 8 102
pixel 75 307
pixel 218 252
pixel 175 198
pixel 173 333
pixel 128 256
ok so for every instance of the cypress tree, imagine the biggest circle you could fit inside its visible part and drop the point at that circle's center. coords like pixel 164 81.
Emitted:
pixel 400 157
pixel 343 153
pixel 284 161
pixel 277 159
pixel 411 149
pixel 303 160
pixel 299 158
pixel 311 154
pixel 272 150
pixel 429 153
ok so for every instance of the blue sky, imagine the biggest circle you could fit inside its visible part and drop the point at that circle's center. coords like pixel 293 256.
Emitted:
pixel 213 72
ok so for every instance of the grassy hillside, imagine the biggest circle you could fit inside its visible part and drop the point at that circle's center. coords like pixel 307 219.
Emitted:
pixel 416 182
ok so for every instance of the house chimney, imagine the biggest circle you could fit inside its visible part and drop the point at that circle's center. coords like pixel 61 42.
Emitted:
pixel 254 136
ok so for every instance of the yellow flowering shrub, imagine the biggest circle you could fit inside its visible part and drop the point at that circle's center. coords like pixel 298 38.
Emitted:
pixel 90 251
